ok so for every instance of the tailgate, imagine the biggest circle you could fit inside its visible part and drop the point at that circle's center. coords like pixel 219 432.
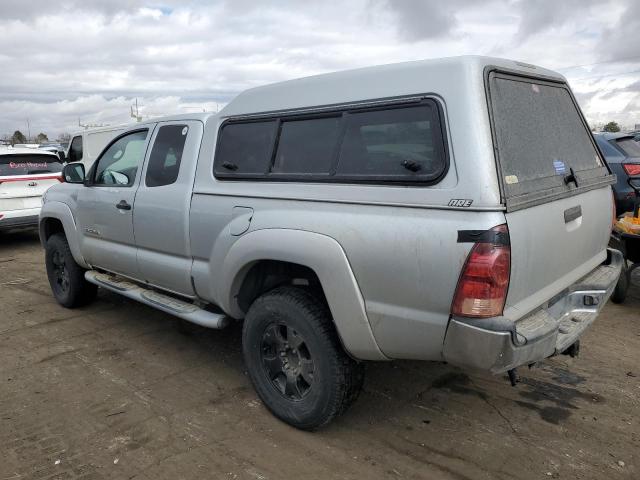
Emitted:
pixel 555 186
pixel 554 245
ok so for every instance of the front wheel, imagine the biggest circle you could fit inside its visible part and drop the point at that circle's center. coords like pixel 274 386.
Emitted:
pixel 295 360
pixel 66 277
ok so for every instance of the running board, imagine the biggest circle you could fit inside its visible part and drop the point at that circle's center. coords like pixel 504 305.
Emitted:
pixel 185 310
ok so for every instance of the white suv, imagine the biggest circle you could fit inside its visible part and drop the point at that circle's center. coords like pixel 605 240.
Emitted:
pixel 25 174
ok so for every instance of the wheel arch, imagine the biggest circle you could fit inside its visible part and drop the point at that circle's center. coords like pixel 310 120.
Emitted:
pixel 317 255
pixel 56 217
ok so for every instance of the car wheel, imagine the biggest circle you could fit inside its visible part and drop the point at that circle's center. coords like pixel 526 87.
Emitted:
pixel 295 360
pixel 66 277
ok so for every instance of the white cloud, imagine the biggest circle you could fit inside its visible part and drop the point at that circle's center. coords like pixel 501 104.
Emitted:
pixel 90 59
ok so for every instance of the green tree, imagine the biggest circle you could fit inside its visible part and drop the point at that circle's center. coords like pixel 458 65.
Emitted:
pixel 18 137
pixel 611 127
pixel 42 137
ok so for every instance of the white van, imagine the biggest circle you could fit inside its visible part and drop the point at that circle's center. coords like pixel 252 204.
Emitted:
pixel 86 145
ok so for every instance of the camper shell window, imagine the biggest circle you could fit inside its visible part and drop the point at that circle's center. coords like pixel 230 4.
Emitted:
pixel 402 143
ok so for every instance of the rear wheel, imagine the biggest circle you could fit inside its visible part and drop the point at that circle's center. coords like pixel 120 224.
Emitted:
pixel 295 360
pixel 66 277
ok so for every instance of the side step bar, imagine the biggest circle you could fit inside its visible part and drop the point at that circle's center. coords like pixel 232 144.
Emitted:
pixel 186 311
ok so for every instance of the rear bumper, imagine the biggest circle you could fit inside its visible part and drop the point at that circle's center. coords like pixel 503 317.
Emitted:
pixel 489 344
pixel 19 218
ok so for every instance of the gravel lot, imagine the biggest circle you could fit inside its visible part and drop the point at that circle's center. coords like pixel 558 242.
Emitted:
pixel 119 390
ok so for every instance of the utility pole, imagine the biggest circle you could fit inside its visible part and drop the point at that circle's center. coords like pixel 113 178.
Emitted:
pixel 28 131
pixel 136 115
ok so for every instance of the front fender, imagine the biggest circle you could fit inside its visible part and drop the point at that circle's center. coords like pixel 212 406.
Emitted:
pixel 326 258
pixel 61 211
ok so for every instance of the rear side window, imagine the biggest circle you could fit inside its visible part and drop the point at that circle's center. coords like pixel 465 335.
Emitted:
pixel 28 164
pixel 307 146
pixel 629 146
pixel 540 136
pixel 245 148
pixel 75 150
pixel 166 155
pixel 392 144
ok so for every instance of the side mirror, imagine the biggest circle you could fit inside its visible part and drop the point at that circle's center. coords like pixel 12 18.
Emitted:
pixel 73 173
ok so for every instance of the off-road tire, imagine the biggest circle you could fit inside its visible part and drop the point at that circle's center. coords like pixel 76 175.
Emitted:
pixel 74 290
pixel 337 379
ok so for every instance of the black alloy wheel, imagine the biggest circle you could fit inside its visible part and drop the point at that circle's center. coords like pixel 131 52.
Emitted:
pixel 287 361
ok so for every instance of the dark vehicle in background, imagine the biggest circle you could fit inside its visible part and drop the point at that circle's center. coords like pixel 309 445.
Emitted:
pixel 622 153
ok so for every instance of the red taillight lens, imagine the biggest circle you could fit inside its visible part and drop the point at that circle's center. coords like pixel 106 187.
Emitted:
pixel 632 169
pixel 484 281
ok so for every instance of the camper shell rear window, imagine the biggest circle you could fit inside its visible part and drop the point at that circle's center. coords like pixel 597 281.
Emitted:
pixel 395 143
pixel 541 139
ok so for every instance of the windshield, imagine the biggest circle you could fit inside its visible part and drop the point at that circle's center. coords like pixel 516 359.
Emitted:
pixel 540 135
pixel 28 164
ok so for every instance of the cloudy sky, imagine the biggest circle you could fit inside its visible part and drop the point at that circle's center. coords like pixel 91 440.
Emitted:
pixel 72 59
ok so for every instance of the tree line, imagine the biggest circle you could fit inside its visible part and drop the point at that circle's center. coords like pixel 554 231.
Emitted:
pixel 19 137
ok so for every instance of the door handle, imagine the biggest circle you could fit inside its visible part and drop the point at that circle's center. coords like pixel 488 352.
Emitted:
pixel 123 205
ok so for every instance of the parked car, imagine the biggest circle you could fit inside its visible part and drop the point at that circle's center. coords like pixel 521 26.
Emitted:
pixel 56 148
pixel 25 174
pixel 393 212
pixel 622 154
pixel 87 144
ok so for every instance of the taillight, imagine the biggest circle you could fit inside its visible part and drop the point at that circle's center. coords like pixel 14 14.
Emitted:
pixel 632 169
pixel 484 281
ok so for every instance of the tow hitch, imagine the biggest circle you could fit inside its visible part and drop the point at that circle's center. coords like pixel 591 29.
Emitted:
pixel 573 350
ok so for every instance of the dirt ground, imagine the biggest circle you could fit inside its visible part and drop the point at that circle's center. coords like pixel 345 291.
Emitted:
pixel 118 390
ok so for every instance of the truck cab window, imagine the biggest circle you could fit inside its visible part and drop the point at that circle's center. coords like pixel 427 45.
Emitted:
pixel 119 163
pixel 166 155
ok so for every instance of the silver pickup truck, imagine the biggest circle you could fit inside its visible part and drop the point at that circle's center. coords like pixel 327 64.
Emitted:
pixel 452 210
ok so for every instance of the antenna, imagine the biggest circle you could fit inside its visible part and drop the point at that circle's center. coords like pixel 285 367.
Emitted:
pixel 136 114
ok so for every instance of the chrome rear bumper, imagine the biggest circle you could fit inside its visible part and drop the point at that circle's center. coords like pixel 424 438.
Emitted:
pixel 486 343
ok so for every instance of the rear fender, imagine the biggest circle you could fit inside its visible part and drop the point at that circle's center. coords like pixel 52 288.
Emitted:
pixel 326 258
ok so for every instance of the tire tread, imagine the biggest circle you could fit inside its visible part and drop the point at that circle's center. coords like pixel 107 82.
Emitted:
pixel 82 292
pixel 347 374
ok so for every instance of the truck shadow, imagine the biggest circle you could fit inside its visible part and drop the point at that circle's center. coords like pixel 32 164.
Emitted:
pixel 551 390
pixel 17 238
